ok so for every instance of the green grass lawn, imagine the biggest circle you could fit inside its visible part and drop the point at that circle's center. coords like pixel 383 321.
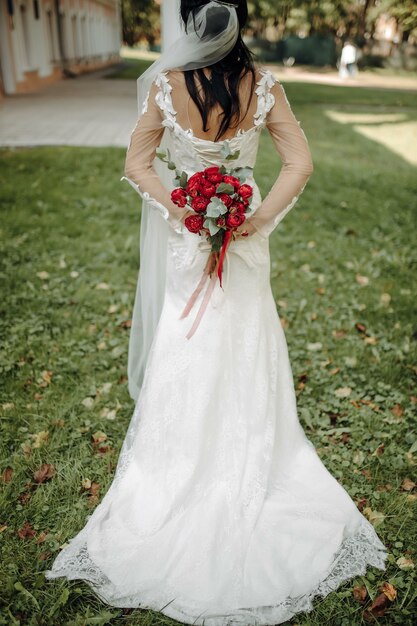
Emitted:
pixel 343 268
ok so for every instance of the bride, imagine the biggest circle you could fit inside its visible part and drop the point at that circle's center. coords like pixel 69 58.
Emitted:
pixel 220 511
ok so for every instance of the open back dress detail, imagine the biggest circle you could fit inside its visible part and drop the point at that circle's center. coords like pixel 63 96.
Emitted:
pixel 220 511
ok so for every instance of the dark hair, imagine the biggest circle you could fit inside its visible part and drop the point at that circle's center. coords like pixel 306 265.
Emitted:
pixel 226 75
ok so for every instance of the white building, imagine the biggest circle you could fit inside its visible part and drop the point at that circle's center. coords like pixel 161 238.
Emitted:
pixel 40 40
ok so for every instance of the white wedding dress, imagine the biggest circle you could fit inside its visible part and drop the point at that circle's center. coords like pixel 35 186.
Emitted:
pixel 220 511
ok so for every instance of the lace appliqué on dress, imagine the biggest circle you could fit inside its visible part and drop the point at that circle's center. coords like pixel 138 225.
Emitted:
pixel 355 554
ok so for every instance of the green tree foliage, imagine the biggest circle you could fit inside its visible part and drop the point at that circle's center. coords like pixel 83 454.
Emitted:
pixel 140 21
pixel 404 12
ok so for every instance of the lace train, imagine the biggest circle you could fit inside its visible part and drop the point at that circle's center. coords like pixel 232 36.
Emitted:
pixel 355 554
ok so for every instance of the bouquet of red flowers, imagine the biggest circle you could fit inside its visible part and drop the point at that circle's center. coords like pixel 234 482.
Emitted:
pixel 219 199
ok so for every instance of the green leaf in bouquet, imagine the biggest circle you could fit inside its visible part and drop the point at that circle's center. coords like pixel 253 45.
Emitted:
pixel 225 151
pixel 161 154
pixel 222 169
pixel 227 154
pixel 183 179
pixel 171 165
pixel 242 173
pixel 213 228
pixel 225 188
pixel 216 207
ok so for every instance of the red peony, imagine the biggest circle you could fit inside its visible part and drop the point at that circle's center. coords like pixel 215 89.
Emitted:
pixel 245 191
pixel 195 177
pixel 179 197
pixel 226 199
pixel 207 189
pixel 194 223
pixel 240 207
pixel 194 184
pixel 221 221
pixel 231 180
pixel 199 204
pixel 235 219
pixel 213 175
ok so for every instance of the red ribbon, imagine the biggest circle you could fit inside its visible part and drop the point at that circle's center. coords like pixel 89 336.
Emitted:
pixel 213 267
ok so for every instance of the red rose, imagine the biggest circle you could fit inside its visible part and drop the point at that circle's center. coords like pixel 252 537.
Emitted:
pixel 235 219
pixel 194 223
pixel 240 207
pixel 213 175
pixel 231 180
pixel 226 199
pixel 207 189
pixel 199 204
pixel 179 197
pixel 245 191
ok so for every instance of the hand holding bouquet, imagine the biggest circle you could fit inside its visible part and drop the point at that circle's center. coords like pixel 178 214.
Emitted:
pixel 219 199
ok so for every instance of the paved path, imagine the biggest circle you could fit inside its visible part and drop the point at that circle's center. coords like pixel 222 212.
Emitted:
pixel 86 111
pixel 92 110
pixel 331 77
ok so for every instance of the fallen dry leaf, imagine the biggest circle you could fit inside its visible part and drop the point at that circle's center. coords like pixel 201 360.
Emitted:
pixel 362 280
pixel 362 503
pixel 378 608
pixel 380 450
pixel 98 437
pixel 86 483
pixel 42 275
pixel 24 497
pixel 314 347
pixel 405 563
pixel 407 484
pixel 26 532
pixel 343 392
pixel 389 590
pixel 397 410
pixel 7 474
pixel 93 494
pixel 40 438
pixel 41 538
pixel 3 528
pixel 373 406
pixel 375 517
pixel 46 378
pixel 385 299
pixel 360 594
pixel 44 473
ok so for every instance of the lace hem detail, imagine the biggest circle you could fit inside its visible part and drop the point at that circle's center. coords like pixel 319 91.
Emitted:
pixel 356 554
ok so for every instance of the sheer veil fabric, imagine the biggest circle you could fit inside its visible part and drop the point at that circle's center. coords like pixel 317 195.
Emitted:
pixel 211 34
pixel 220 512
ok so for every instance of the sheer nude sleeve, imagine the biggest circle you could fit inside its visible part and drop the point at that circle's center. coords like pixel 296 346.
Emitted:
pixel 297 166
pixel 139 169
